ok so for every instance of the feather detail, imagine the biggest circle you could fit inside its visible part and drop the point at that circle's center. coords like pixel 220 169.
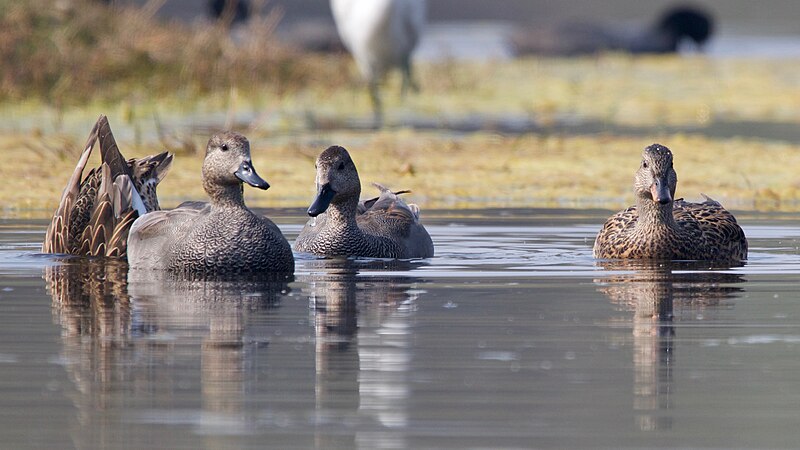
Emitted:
pixel 96 212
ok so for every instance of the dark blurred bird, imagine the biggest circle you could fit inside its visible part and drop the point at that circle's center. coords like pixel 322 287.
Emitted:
pixel 675 26
pixel 236 11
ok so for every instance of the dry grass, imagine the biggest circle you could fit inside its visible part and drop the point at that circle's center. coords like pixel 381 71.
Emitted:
pixel 78 51
pixel 612 88
pixel 451 172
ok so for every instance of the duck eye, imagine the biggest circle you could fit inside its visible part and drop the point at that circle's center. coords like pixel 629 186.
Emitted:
pixel 224 147
pixel 341 166
pixel 644 164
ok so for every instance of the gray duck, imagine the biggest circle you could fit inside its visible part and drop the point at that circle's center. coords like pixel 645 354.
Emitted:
pixel 658 227
pixel 222 237
pixel 96 212
pixel 382 227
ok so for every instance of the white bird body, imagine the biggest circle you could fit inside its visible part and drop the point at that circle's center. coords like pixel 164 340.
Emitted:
pixel 381 35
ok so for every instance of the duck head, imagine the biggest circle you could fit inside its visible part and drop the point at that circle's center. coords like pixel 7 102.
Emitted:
pixel 228 163
pixel 337 180
pixel 656 179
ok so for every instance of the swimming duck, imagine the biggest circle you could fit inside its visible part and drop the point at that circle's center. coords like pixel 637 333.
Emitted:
pixel 96 212
pixel 658 227
pixel 217 238
pixel 383 227
pixel 675 25
pixel 381 35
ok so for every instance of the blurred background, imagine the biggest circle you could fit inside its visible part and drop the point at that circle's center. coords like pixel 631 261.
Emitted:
pixel 562 95
pixel 734 16
pixel 742 27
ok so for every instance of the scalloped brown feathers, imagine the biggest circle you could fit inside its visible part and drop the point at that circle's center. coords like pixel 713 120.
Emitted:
pixel 96 212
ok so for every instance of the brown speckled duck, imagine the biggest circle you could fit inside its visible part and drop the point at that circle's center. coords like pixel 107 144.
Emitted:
pixel 384 227
pixel 658 227
pixel 95 213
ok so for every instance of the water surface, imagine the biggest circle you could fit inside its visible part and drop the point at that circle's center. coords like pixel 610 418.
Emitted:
pixel 513 336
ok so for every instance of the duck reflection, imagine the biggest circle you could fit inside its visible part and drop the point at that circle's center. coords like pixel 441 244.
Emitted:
pixel 653 291
pixel 363 323
pixel 216 313
pixel 124 334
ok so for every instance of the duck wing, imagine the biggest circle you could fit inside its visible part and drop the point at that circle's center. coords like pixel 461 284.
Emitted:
pixel 365 205
pixel 388 215
pixel 611 242
pixel 57 237
pixel 106 231
pixel 151 234
pixel 722 235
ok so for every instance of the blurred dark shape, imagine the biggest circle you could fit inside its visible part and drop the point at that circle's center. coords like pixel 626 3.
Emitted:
pixel 686 21
pixel 675 26
pixel 313 35
pixel 233 11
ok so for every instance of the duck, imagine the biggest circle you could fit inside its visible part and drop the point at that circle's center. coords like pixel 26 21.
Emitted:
pixel 95 213
pixel 660 227
pixel 341 226
pixel 216 238
pixel 381 35
pixel 674 26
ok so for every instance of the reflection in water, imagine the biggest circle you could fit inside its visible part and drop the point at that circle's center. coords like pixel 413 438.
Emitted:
pixel 90 300
pixel 138 347
pixel 371 359
pixel 652 292
pixel 216 312
pixel 123 332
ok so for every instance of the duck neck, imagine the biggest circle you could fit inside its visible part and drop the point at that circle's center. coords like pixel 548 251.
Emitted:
pixel 654 215
pixel 225 195
pixel 343 211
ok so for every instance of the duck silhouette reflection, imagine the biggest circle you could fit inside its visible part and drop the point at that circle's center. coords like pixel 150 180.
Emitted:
pixel 126 338
pixel 206 353
pixel 658 293
pixel 362 321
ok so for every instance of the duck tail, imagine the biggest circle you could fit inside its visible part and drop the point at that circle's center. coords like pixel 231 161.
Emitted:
pixel 109 151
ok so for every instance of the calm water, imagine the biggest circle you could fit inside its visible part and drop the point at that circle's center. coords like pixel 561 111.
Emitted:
pixel 511 337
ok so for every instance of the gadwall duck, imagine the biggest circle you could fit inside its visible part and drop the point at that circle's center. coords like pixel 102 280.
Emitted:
pixel 217 238
pixel 96 212
pixel 659 227
pixel 383 227
pixel 665 35
pixel 381 35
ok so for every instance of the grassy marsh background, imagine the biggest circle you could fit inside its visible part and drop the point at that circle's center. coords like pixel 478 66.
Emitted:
pixel 166 85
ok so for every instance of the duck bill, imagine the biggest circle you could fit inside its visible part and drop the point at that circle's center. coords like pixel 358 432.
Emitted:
pixel 322 201
pixel 660 192
pixel 247 173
